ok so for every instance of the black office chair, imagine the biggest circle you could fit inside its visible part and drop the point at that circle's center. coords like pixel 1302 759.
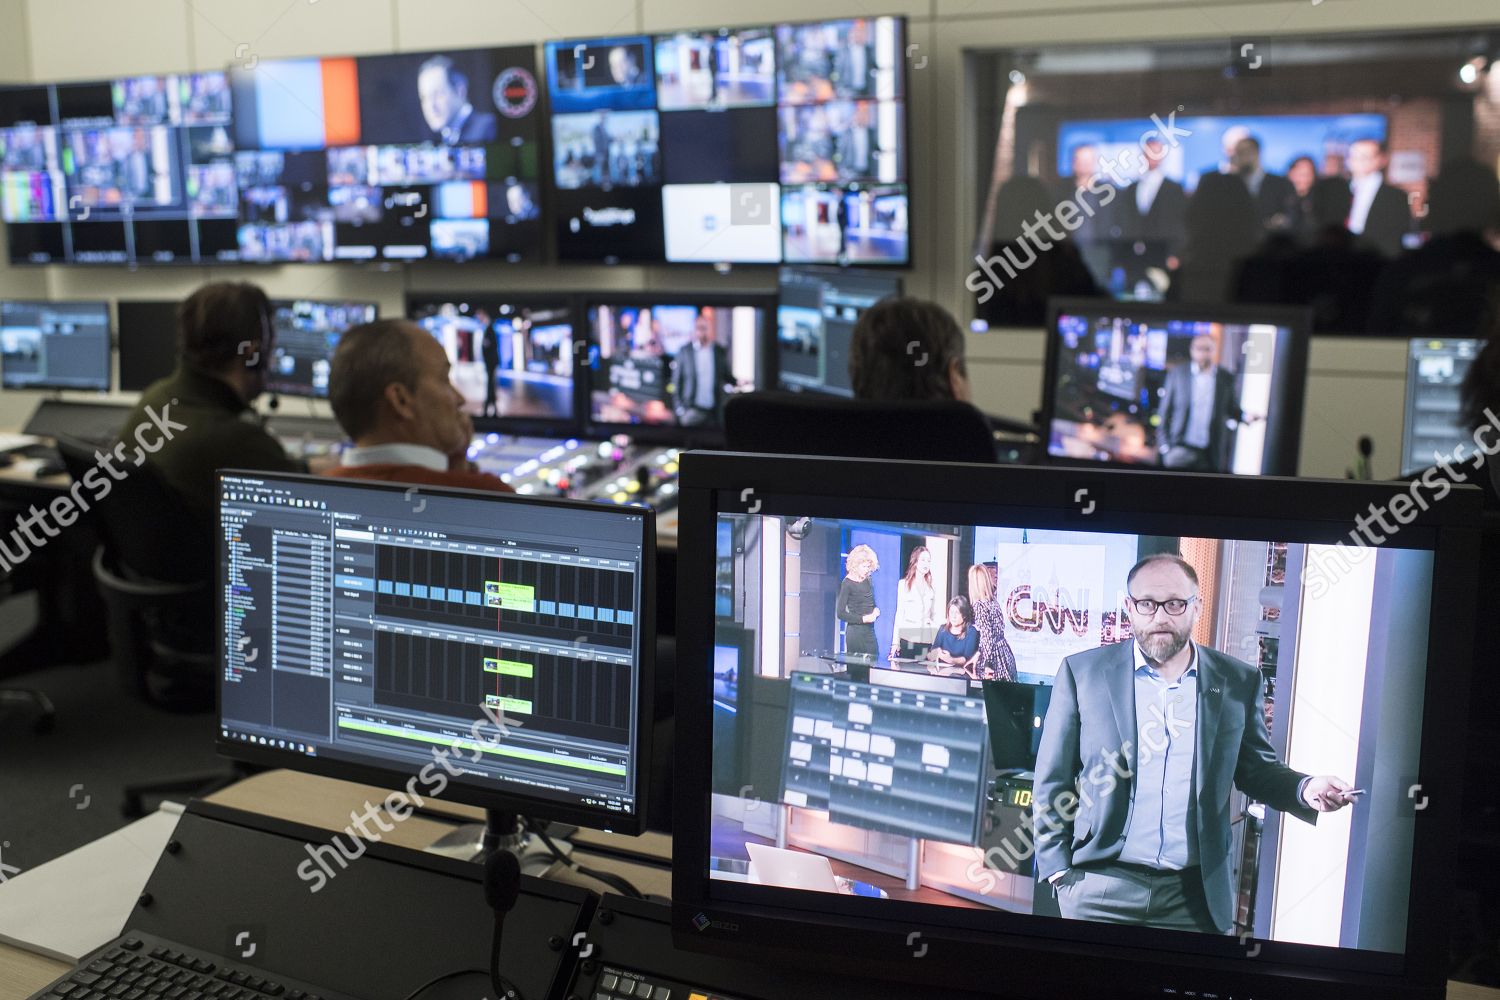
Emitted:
pixel 781 423
pixel 154 571
pixel 46 712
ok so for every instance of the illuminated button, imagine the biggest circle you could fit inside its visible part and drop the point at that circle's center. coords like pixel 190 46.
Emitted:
pixel 670 468
pixel 619 498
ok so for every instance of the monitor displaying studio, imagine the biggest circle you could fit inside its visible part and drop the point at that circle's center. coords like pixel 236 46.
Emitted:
pixel 511 357
pixel 500 643
pixel 135 170
pixel 815 315
pixel 148 342
pixel 935 728
pixel 672 362
pixel 55 345
pixel 1433 427
pixel 415 156
pixel 307 332
pixel 1186 388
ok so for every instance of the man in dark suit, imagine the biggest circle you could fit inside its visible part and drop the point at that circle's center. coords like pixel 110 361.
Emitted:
pixel 1143 743
pixel 1149 216
pixel 701 376
pixel 1275 197
pixel 1198 412
pixel 444 92
pixel 1380 214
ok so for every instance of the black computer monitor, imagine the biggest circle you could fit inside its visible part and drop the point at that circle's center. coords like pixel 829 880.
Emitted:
pixel 815 316
pixel 491 648
pixel 1120 385
pixel 307 332
pixel 640 345
pixel 512 356
pixel 54 345
pixel 1317 648
pixel 1435 370
pixel 148 342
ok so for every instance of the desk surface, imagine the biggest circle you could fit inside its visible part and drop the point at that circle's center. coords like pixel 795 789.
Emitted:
pixel 326 803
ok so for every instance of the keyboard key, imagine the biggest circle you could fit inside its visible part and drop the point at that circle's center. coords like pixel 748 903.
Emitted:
pixel 271 989
pixel 662 993
pixel 86 978
pixel 131 944
pixel 63 989
pixel 158 953
pixel 133 995
pixel 255 983
pixel 609 982
pixel 239 978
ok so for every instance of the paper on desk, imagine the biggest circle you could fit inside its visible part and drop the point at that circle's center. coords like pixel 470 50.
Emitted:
pixel 10 442
pixel 71 905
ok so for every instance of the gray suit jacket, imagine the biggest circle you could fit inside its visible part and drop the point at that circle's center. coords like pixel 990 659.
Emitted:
pixel 1088 749
pixel 1177 405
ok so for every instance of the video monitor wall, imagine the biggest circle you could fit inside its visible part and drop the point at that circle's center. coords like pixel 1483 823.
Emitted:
pixel 815 316
pixel 674 362
pixel 148 341
pixel 307 332
pixel 744 145
pixel 512 357
pixel 136 170
pixel 1183 388
pixel 55 345
pixel 416 156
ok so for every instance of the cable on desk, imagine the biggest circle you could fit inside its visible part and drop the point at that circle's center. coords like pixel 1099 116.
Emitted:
pixel 615 882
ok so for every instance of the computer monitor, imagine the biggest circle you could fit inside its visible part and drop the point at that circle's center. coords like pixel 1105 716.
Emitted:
pixel 1180 387
pixel 512 356
pixel 1435 370
pixel 815 317
pixel 489 648
pixel 54 345
pixel 307 333
pixel 1172 747
pixel 662 365
pixel 148 342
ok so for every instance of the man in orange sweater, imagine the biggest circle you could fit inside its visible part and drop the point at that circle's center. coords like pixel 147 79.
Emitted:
pixel 390 391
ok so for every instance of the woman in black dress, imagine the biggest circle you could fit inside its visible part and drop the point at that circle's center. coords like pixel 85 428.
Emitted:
pixel 856 602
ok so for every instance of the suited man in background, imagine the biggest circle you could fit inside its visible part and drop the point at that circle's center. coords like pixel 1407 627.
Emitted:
pixel 1380 213
pixel 701 375
pixel 1143 743
pixel 1199 409
pixel 443 90
pixel 1275 197
pixel 1150 215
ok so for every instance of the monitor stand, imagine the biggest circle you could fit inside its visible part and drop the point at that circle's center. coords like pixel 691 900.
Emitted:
pixel 499 831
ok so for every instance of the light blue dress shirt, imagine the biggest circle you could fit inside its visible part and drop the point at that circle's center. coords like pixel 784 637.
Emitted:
pixel 1162 829
pixel 1200 421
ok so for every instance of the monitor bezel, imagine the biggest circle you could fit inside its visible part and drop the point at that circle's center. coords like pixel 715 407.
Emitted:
pixel 275 388
pixel 840 938
pixel 561 427
pixel 829 272
pixel 456 791
pixel 109 350
pixel 675 434
pixel 1285 450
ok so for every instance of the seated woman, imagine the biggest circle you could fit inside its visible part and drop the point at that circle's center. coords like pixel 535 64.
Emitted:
pixel 996 661
pixel 957 643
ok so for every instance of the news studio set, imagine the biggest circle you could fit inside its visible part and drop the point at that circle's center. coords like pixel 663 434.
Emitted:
pixel 696 506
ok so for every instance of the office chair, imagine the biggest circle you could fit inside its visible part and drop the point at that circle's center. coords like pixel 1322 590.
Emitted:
pixel 939 430
pixel 46 717
pixel 153 569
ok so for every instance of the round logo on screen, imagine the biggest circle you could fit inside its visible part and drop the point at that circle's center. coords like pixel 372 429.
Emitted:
pixel 515 92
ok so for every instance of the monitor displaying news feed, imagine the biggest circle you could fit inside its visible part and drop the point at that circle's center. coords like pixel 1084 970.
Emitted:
pixel 512 357
pixel 1185 388
pixel 55 345
pixel 414 156
pixel 816 311
pixel 1433 426
pixel 1188 723
pixel 672 361
pixel 307 334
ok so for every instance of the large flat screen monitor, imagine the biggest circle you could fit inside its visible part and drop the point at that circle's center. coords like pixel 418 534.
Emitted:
pixel 148 341
pixel 1435 370
pixel 815 316
pixel 416 156
pixel 512 356
pixel 1181 387
pixel 134 170
pixel 663 365
pixel 489 648
pixel 1177 734
pixel 307 333
pixel 54 345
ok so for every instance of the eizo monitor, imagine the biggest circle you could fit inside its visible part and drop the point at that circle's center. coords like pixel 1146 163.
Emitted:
pixel 486 648
pixel 148 341
pixel 307 333
pixel 54 345
pixel 1245 781
pixel 511 356
pixel 1177 387
pixel 1435 370
pixel 662 365
pixel 816 311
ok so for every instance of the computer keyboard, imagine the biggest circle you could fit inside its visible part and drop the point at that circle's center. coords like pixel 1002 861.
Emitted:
pixel 139 966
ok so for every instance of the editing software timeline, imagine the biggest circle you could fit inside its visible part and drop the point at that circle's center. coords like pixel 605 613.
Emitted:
pixel 1435 371
pixel 370 631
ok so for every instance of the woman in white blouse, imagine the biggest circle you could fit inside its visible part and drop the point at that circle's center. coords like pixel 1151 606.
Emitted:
pixel 916 602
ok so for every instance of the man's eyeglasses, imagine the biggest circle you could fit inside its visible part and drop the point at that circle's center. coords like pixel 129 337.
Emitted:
pixel 1173 607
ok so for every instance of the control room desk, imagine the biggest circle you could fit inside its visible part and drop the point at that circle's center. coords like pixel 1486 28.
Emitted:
pixel 326 803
